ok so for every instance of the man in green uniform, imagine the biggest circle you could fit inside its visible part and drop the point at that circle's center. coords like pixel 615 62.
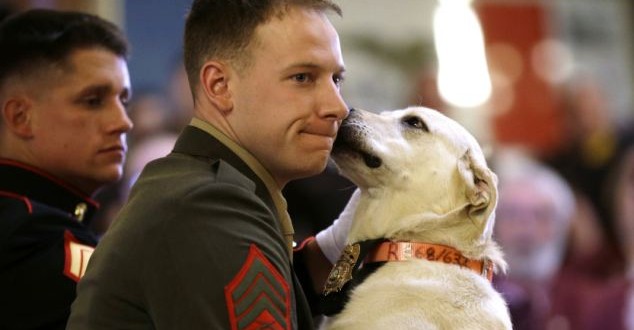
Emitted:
pixel 204 241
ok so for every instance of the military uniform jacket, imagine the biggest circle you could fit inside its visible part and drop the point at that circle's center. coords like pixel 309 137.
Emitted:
pixel 198 245
pixel 44 246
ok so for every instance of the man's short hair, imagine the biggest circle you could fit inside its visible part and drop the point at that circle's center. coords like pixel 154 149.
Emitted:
pixel 223 29
pixel 37 38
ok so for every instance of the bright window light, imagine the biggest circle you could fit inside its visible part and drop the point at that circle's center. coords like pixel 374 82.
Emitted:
pixel 463 75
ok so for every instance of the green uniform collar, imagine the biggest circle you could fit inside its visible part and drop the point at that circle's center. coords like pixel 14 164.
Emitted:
pixel 261 172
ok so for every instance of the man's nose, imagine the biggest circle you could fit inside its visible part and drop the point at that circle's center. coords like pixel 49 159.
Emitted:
pixel 121 122
pixel 334 105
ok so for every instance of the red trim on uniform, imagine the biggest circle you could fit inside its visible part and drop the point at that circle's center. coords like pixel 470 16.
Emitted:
pixel 24 199
pixel 50 177
pixel 264 320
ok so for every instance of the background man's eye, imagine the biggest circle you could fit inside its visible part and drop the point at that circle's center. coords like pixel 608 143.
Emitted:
pixel 94 102
pixel 416 122
pixel 125 101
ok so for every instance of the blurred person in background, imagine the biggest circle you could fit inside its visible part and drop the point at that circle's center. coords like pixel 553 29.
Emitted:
pixel 425 89
pixel 613 305
pixel 533 219
pixel 150 114
pixel 609 304
pixel 623 204
pixel 152 147
pixel 624 212
pixel 64 88
pixel 594 146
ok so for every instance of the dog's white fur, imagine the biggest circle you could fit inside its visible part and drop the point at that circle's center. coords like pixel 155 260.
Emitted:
pixel 433 186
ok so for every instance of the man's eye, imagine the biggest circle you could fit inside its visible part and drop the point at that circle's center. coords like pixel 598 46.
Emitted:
pixel 415 122
pixel 338 79
pixel 125 101
pixel 301 77
pixel 94 102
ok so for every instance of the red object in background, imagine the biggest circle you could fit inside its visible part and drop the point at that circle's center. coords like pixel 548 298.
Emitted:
pixel 533 118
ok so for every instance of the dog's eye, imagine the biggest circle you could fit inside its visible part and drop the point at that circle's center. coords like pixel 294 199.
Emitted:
pixel 415 122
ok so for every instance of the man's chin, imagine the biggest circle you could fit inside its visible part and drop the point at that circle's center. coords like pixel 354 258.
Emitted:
pixel 313 168
pixel 110 175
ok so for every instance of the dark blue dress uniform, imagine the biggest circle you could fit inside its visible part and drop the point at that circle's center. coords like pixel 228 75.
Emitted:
pixel 44 246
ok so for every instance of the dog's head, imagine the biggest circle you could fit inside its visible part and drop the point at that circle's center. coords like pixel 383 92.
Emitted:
pixel 420 173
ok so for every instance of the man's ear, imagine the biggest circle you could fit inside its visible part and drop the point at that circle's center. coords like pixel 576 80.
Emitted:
pixel 17 116
pixel 214 78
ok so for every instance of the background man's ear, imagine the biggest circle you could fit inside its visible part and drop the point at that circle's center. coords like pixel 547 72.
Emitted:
pixel 17 117
pixel 481 190
pixel 214 78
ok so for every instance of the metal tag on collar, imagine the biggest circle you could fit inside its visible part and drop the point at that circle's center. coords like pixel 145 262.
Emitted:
pixel 342 272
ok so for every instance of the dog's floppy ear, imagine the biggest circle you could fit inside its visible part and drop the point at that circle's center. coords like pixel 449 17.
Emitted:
pixel 481 190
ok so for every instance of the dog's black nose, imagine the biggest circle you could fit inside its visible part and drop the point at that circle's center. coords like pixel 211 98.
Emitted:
pixel 350 112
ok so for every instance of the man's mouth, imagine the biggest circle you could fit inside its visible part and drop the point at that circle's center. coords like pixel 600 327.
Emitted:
pixel 112 148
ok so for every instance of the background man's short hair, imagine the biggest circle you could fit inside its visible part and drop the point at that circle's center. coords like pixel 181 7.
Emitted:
pixel 38 37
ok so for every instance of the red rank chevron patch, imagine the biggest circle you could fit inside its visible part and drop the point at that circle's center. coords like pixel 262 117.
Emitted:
pixel 76 256
pixel 258 297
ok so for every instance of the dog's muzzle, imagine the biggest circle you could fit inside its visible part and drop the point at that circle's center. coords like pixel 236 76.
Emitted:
pixel 351 138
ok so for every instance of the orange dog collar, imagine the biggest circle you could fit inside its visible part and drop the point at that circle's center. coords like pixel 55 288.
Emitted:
pixel 400 251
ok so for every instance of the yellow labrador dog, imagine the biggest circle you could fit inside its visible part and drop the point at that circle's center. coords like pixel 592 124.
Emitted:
pixel 420 253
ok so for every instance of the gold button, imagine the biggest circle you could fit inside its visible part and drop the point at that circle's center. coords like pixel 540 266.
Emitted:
pixel 80 211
